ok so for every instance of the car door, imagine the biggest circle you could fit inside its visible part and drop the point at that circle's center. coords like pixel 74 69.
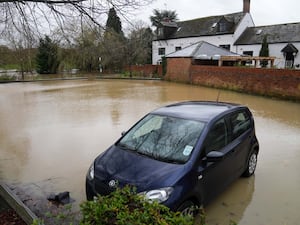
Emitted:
pixel 240 135
pixel 213 177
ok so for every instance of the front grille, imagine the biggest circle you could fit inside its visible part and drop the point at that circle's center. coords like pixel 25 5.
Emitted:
pixel 102 188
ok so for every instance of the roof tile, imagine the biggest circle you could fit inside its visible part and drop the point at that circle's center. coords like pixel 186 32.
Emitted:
pixel 280 33
pixel 204 26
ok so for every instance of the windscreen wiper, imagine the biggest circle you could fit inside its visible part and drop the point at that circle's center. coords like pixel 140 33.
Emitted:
pixel 124 146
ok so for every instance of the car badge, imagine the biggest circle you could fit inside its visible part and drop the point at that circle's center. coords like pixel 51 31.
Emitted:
pixel 112 183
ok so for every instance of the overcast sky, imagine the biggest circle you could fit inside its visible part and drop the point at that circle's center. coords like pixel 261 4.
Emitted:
pixel 264 12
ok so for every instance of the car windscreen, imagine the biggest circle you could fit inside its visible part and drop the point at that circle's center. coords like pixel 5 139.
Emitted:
pixel 163 138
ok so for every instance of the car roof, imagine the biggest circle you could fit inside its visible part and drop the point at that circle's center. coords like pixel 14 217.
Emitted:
pixel 197 110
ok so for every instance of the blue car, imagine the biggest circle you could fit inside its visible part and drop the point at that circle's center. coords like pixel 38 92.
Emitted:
pixel 181 155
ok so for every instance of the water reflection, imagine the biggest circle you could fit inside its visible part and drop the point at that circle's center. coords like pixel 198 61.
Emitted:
pixel 231 205
pixel 11 150
pixel 51 131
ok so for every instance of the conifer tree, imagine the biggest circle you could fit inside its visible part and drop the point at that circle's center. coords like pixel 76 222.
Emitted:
pixel 113 45
pixel 264 51
pixel 113 22
pixel 47 57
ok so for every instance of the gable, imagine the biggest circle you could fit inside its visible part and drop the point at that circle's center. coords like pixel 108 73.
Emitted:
pixel 290 48
pixel 224 26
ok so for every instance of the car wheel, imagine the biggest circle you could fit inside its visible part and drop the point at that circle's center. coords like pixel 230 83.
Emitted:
pixel 251 164
pixel 188 208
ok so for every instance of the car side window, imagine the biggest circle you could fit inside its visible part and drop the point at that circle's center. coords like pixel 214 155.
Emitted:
pixel 217 137
pixel 240 122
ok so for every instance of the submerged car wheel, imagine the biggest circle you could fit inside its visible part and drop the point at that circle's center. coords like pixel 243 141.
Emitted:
pixel 188 208
pixel 251 165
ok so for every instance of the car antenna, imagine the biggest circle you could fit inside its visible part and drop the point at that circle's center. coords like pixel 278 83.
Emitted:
pixel 219 93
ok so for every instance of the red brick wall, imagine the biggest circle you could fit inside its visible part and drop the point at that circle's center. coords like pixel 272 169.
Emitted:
pixel 178 69
pixel 270 82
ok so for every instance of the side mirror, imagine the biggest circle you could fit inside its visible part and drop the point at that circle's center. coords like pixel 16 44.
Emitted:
pixel 214 156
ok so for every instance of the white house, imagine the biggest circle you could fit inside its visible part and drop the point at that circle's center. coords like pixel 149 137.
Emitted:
pixel 283 40
pixel 235 32
pixel 222 30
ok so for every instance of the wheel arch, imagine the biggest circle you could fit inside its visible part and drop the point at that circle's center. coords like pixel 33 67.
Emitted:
pixel 254 148
pixel 193 199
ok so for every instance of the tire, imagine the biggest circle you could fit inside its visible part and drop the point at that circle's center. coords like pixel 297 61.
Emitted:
pixel 251 164
pixel 188 208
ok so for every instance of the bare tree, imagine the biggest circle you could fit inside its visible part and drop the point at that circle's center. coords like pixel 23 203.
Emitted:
pixel 38 15
pixel 23 22
pixel 112 50
pixel 22 49
pixel 139 44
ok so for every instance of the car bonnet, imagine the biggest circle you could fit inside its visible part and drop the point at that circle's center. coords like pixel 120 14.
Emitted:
pixel 126 167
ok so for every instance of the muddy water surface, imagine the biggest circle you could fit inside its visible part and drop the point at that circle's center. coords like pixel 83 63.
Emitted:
pixel 50 132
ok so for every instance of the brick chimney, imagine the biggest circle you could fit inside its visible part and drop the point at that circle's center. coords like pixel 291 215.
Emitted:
pixel 246 6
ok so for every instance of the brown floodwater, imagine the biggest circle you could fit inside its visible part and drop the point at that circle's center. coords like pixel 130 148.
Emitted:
pixel 50 132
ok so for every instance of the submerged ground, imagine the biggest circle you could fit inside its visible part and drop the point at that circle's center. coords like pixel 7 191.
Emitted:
pixel 50 132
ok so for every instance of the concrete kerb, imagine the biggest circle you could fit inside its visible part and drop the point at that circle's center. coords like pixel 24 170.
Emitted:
pixel 15 203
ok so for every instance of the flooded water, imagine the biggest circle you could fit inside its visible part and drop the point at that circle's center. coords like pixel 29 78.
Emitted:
pixel 50 132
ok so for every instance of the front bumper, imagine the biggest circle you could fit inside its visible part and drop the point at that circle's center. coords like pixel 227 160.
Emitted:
pixel 94 188
pixel 89 189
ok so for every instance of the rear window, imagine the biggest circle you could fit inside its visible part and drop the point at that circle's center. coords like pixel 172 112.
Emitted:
pixel 217 137
pixel 240 122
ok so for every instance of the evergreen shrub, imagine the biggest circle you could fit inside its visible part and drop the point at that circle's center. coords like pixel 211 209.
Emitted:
pixel 125 207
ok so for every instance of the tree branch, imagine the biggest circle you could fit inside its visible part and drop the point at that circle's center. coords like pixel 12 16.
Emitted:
pixel 34 18
pixel 51 2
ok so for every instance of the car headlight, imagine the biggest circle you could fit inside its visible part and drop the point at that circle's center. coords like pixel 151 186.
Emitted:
pixel 91 172
pixel 159 195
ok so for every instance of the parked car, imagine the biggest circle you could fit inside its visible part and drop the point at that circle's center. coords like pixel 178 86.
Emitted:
pixel 181 155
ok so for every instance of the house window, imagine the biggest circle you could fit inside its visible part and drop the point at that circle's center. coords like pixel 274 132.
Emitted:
pixel 177 48
pixel 161 51
pixel 227 47
pixel 249 53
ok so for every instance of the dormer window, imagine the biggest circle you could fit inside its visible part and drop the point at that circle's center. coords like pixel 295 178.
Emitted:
pixel 258 32
pixel 222 27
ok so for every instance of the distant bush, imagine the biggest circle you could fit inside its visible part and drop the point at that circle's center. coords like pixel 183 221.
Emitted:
pixel 124 206
pixel 7 78
pixel 10 67
pixel 164 65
